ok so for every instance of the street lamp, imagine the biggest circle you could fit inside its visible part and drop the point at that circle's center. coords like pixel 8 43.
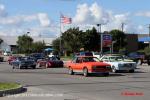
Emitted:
pixel 28 42
pixel 101 39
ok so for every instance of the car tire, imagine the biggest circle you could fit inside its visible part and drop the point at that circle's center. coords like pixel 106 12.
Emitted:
pixel 13 67
pixel 34 67
pixel 70 71
pixel 85 72
pixel 114 69
pixel 148 62
pixel 131 71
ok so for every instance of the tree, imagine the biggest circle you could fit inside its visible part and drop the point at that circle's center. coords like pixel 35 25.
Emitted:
pixel 38 46
pixel 91 40
pixel 56 44
pixel 120 38
pixel 25 43
pixel 71 39
pixel 1 40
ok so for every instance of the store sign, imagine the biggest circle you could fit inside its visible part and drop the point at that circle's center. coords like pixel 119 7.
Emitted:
pixel 107 40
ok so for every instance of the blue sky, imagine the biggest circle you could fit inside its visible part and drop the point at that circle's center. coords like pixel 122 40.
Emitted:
pixel 42 16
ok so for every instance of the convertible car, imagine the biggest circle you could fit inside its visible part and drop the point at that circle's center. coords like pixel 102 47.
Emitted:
pixel 119 63
pixel 87 65
pixel 50 62
pixel 23 62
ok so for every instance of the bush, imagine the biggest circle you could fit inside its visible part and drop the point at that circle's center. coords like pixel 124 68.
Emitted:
pixel 147 50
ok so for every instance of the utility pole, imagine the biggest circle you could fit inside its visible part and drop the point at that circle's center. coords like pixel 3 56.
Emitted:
pixel 101 37
pixel 122 26
pixel 149 35
pixel 122 29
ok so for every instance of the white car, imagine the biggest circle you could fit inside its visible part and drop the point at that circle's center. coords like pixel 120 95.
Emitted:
pixel 118 63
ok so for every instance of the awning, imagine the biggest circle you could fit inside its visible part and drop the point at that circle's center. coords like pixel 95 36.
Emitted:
pixel 144 39
pixel 48 49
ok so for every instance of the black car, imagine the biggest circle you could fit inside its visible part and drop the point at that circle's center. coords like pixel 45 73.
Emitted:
pixel 23 62
pixel 139 57
pixel 37 56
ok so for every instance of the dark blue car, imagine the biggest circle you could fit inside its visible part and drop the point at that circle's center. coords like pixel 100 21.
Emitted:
pixel 24 62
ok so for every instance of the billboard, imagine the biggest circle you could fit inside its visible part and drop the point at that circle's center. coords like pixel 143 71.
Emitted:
pixel 107 40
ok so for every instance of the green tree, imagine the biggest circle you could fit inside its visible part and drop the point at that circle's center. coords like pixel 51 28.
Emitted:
pixel 56 44
pixel 91 40
pixel 25 43
pixel 120 39
pixel 71 40
pixel 1 40
pixel 38 46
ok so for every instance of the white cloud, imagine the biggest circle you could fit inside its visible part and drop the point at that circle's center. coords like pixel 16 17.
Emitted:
pixel 2 11
pixel 38 23
pixel 89 15
pixel 144 14
pixel 44 20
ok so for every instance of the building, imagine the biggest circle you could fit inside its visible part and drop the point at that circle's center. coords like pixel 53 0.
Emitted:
pixel 9 42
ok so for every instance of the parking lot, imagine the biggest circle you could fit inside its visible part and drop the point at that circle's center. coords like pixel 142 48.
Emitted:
pixel 56 84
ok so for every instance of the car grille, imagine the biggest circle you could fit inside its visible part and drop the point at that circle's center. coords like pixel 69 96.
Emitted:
pixel 128 65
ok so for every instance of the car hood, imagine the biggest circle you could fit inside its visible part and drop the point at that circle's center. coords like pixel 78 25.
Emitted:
pixel 96 64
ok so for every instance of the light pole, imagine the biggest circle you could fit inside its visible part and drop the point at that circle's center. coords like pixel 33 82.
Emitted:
pixel 112 50
pixel 101 38
pixel 28 43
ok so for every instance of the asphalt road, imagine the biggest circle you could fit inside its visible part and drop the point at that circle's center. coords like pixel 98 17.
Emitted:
pixel 56 84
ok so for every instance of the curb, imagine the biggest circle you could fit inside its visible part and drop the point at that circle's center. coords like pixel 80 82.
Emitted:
pixel 12 91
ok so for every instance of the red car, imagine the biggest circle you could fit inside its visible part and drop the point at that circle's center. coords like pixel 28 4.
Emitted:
pixel 50 62
pixel 11 58
pixel 87 65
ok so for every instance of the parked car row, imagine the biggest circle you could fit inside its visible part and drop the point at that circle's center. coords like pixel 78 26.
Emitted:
pixel 34 61
pixel 84 63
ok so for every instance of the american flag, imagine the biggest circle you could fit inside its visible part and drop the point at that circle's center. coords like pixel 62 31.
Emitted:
pixel 66 20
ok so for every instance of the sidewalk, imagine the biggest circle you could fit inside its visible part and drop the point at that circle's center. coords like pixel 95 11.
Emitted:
pixel 34 93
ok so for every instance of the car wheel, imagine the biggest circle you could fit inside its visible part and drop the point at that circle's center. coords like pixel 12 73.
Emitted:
pixel 148 62
pixel 13 67
pixel 70 71
pixel 34 67
pixel 85 72
pixel 139 62
pixel 114 69
pixel 131 71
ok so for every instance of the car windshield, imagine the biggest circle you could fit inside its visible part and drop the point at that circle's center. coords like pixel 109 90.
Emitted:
pixel 116 58
pixel 90 59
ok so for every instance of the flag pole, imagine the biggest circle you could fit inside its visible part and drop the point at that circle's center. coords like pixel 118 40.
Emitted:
pixel 60 42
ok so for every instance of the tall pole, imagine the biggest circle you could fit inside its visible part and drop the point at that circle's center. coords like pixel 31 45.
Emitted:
pixel 60 43
pixel 149 35
pixel 101 38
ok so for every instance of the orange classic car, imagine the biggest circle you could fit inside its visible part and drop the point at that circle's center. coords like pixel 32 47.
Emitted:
pixel 87 65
